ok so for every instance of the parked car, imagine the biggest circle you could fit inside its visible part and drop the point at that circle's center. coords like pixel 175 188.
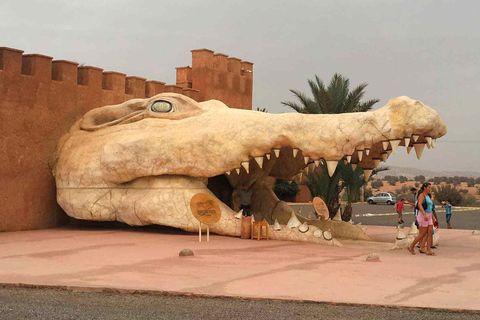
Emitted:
pixel 388 198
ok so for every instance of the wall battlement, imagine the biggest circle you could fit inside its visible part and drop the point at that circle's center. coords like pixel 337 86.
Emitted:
pixel 44 68
pixel 218 76
pixel 40 99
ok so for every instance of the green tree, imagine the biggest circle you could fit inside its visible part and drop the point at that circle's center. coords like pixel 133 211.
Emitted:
pixel 420 178
pixel 447 192
pixel 334 98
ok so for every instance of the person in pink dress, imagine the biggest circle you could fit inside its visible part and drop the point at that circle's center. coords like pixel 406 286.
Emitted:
pixel 424 219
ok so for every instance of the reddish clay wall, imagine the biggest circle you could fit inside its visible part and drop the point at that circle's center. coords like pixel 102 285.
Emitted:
pixel 218 76
pixel 304 194
pixel 40 99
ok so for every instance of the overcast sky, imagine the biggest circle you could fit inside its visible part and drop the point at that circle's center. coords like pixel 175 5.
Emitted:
pixel 428 50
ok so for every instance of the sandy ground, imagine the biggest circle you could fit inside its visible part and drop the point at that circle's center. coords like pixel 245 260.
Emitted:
pixel 147 259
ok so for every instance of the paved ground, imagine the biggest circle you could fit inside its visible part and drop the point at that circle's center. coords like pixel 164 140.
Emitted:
pixel 147 259
pixel 54 304
pixel 385 215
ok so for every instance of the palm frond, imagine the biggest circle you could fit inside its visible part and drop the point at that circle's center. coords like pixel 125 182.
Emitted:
pixel 366 106
pixel 354 97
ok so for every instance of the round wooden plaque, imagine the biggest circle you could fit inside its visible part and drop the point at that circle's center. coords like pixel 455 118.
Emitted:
pixel 205 208
pixel 320 208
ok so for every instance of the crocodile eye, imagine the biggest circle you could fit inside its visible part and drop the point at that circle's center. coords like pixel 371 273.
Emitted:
pixel 161 106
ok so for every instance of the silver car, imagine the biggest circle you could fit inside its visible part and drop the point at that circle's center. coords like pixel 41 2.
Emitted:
pixel 388 198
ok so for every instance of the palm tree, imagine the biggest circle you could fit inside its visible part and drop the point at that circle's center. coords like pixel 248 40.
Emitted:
pixel 334 99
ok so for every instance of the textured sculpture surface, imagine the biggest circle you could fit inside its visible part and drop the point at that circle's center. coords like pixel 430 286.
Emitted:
pixel 141 162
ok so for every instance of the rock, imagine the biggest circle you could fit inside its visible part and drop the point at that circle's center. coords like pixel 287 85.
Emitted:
pixel 373 257
pixel 186 253
pixel 476 232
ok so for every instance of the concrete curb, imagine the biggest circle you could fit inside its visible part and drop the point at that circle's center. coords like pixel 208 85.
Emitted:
pixel 109 290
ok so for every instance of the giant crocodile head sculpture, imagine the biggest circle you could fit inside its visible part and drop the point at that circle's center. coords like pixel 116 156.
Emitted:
pixel 141 162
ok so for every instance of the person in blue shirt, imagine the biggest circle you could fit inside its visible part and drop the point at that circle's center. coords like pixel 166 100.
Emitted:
pixel 424 219
pixel 448 211
pixel 435 223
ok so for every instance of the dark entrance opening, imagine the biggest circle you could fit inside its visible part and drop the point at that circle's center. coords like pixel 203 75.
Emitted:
pixel 221 188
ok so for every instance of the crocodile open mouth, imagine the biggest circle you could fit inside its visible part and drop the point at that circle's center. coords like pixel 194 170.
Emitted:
pixel 292 164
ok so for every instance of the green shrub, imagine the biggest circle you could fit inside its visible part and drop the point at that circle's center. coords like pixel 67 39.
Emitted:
pixel 377 184
pixel 285 190
pixel 368 193
pixel 445 192
pixel 468 200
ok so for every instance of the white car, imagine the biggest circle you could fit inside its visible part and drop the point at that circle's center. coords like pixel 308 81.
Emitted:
pixel 387 198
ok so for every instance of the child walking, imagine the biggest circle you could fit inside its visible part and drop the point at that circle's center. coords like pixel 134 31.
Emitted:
pixel 399 208
pixel 448 212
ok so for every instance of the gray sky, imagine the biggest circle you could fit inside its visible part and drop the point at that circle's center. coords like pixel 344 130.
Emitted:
pixel 428 50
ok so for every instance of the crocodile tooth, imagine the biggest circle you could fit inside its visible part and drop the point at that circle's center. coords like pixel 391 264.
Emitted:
pixel 318 233
pixel 306 159
pixel 415 137
pixel 338 216
pixel 419 149
pixel 277 152
pixel 311 167
pixel 394 144
pixel 407 141
pixel 303 228
pixel 389 151
pixel 298 178
pixel 276 226
pixel 433 143
pixel 317 163
pixel 246 165
pixel 429 141
pixel 227 173
pixel 259 161
pixel 268 156
pixel 332 166
pixel 354 166
pixel 349 158
pixel 239 214
pixel 384 156
pixel 293 222
pixel 409 148
pixel 367 151
pixel 306 170
pixel 367 173
pixel 360 154
pixel 238 171
pixel 376 161
pixel 295 152
pixel 385 144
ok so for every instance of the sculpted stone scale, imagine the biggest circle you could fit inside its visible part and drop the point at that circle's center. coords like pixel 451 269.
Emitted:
pixel 141 162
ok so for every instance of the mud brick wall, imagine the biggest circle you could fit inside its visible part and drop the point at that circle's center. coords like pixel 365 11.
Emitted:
pixel 218 76
pixel 40 99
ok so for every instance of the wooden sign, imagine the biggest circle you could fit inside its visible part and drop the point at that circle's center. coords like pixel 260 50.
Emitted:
pixel 320 208
pixel 205 208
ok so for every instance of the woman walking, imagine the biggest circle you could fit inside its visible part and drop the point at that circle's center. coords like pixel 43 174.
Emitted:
pixel 424 219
